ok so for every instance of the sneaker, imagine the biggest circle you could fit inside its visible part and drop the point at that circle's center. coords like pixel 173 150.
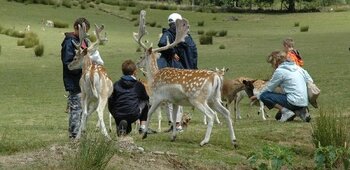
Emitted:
pixel 123 125
pixel 286 114
pixel 149 131
pixel 278 115
pixel 179 129
pixel 303 114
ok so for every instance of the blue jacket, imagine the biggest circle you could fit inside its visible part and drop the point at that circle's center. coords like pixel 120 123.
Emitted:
pixel 127 94
pixel 187 51
pixel 292 79
pixel 70 77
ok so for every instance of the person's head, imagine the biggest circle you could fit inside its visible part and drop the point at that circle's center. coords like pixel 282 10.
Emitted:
pixel 276 58
pixel 172 19
pixel 80 22
pixel 129 67
pixel 288 43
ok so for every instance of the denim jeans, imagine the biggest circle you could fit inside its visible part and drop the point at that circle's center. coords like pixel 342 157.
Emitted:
pixel 270 99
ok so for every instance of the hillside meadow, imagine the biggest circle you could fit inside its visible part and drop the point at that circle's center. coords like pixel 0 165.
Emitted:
pixel 32 104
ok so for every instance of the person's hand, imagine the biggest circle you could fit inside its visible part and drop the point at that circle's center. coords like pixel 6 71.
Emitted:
pixel 253 98
pixel 176 57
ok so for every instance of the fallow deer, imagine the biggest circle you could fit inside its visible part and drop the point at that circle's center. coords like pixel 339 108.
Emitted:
pixel 198 88
pixel 95 84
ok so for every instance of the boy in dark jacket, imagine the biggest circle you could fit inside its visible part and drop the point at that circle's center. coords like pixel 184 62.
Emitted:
pixel 129 100
pixel 71 77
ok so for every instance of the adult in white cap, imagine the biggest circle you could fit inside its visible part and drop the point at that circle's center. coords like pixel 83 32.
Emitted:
pixel 183 56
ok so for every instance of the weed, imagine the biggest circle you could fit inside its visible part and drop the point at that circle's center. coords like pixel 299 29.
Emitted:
pixel 332 157
pixel 200 32
pixel 93 152
pixel 222 33
pixel 304 28
pixel 330 129
pixel 272 157
pixel 200 23
pixel 211 33
pixel 39 50
pixel 60 24
pixel 222 46
pixel 205 39
pixel 296 24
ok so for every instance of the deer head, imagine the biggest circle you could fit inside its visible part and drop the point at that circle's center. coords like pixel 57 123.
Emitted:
pixel 80 52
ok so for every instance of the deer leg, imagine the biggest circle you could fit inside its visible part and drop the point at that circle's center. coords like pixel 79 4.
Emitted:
pixel 100 108
pixel 219 108
pixel 262 110
pixel 154 106
pixel 176 109
pixel 205 119
pixel 209 113
pixel 159 110
pixel 83 116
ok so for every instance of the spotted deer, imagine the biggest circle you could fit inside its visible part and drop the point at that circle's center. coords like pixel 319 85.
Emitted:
pixel 95 84
pixel 197 88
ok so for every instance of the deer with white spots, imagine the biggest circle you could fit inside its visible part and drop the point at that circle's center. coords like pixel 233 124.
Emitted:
pixel 95 84
pixel 198 88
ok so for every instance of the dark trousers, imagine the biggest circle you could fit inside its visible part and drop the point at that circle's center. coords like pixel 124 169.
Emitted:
pixel 142 116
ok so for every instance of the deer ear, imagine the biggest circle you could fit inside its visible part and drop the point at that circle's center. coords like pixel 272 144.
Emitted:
pixel 85 51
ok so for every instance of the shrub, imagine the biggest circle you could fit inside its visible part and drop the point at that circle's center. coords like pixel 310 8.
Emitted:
pixel 296 24
pixel 83 5
pixel 135 11
pixel 330 129
pixel 39 50
pixel 93 152
pixel 205 39
pixel 304 28
pixel 222 33
pixel 122 8
pixel 153 24
pixel 67 3
pixel 159 26
pixel 200 32
pixel 211 33
pixel 200 23
pixel 330 157
pixel 59 24
pixel 222 46
pixel 20 42
pixel 214 18
pixel 91 5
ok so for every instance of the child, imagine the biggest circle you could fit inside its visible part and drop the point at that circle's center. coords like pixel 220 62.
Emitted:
pixel 129 101
pixel 71 77
pixel 292 53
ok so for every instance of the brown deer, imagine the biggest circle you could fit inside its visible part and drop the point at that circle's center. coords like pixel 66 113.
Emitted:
pixel 198 88
pixel 95 84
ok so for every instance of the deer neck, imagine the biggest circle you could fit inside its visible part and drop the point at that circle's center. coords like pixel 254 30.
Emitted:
pixel 86 63
pixel 151 68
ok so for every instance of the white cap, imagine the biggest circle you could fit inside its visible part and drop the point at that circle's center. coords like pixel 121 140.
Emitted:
pixel 173 17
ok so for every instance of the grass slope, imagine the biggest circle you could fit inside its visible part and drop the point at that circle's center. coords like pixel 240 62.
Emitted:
pixel 32 93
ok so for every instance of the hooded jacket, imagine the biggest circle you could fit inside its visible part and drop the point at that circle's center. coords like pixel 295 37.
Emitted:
pixel 187 51
pixel 70 77
pixel 126 97
pixel 292 79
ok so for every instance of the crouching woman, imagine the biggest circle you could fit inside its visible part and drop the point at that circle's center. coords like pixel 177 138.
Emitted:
pixel 292 79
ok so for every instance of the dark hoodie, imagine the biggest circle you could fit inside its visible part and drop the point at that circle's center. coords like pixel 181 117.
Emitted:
pixel 126 97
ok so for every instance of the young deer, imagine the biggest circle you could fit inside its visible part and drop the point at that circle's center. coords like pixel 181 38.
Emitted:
pixel 198 88
pixel 95 84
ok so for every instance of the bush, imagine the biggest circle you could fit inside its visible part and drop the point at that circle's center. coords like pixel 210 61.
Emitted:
pixel 20 42
pixel 83 5
pixel 200 32
pixel 211 33
pixel 200 23
pixel 296 24
pixel 205 39
pixel 222 33
pixel 214 18
pixel 221 47
pixel 304 28
pixel 59 24
pixel 39 50
pixel 135 11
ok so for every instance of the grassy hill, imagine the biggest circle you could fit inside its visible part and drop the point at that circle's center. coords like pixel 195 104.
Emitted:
pixel 32 93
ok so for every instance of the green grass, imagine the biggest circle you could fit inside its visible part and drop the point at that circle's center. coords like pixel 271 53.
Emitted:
pixel 32 93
